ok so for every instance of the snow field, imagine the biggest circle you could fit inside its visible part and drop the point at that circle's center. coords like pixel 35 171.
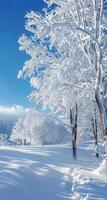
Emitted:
pixel 50 173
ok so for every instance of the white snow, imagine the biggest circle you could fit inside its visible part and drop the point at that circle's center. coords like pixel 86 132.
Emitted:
pixel 102 169
pixel 50 173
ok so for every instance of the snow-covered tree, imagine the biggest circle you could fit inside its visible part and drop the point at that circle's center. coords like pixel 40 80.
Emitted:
pixel 68 52
pixel 17 131
pixel 38 129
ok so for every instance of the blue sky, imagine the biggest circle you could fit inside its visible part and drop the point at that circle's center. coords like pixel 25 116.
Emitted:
pixel 12 12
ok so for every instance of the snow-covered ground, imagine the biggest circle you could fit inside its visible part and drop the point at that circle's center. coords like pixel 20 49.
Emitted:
pixel 50 173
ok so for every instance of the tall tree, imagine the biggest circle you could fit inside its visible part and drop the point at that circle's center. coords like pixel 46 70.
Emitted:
pixel 68 54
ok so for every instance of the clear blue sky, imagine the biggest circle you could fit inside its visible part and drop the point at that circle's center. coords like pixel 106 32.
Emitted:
pixel 12 12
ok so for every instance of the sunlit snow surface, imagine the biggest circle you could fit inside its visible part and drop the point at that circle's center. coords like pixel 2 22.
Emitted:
pixel 50 173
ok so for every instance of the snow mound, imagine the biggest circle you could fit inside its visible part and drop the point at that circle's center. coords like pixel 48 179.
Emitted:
pixel 102 169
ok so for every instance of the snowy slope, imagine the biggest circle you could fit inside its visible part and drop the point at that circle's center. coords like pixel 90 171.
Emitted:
pixel 49 173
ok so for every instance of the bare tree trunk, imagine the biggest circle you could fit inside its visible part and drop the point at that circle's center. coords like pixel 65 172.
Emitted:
pixel 96 136
pixel 100 109
pixel 73 122
pixel 102 121
pixel 95 133
pixel 74 150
